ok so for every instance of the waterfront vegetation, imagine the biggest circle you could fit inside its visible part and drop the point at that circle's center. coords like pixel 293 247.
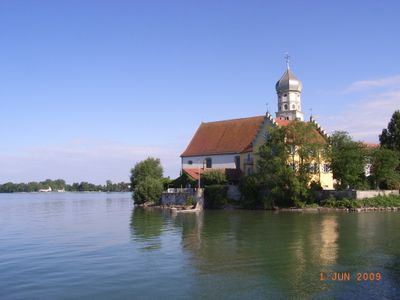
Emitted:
pixel 379 201
pixel 147 180
pixel 60 184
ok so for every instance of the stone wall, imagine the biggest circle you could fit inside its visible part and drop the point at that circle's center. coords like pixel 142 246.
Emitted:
pixel 373 193
pixel 180 196
pixel 353 194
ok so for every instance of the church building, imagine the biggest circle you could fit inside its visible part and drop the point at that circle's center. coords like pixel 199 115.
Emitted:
pixel 231 145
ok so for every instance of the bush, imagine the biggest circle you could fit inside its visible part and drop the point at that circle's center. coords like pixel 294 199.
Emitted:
pixel 189 201
pixel 148 189
pixel 215 196
pixel 379 201
pixel 250 192
pixel 213 177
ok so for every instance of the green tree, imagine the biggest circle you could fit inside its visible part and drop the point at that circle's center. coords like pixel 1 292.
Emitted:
pixel 383 168
pixel 213 177
pixel 150 167
pixel 274 172
pixel 348 159
pixel 390 137
pixel 147 180
pixel 148 190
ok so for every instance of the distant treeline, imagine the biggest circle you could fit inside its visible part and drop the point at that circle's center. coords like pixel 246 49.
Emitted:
pixel 60 185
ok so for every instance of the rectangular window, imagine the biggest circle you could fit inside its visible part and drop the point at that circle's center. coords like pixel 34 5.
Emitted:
pixel 237 162
pixel 208 162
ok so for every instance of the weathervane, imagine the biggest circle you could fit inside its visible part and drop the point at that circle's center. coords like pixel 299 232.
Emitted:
pixel 287 57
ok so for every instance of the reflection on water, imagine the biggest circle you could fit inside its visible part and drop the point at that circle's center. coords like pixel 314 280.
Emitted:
pixel 147 226
pixel 97 246
pixel 329 237
pixel 261 253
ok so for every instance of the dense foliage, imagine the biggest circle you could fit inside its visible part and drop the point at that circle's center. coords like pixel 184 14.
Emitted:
pixel 384 173
pixel 147 180
pixel 183 181
pixel 251 192
pixel 148 189
pixel 379 201
pixel 59 184
pixel 348 159
pixel 287 163
pixel 390 137
pixel 213 177
pixel 215 196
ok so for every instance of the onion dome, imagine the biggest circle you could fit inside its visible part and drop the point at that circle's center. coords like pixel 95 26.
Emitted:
pixel 288 82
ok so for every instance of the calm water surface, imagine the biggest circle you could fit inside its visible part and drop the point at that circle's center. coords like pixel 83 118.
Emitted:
pixel 97 246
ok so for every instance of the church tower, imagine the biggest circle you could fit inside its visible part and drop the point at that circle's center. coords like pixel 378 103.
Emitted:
pixel 289 89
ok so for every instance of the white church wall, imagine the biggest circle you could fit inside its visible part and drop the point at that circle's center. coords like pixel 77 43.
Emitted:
pixel 221 161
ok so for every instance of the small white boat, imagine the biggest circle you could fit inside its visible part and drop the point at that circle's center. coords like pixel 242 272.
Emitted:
pixel 45 190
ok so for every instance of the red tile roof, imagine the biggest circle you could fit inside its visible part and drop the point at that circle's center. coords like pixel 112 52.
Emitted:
pixel 194 173
pixel 222 137
pixel 231 174
pixel 282 122
pixel 230 136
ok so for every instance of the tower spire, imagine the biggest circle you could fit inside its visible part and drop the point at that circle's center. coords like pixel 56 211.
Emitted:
pixel 287 58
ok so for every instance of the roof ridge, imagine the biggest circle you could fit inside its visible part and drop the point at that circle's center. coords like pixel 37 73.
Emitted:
pixel 220 121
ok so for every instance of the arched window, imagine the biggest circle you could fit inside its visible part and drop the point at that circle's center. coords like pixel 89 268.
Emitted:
pixel 285 107
pixel 208 162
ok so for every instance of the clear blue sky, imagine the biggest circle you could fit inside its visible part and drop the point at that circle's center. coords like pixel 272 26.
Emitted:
pixel 88 88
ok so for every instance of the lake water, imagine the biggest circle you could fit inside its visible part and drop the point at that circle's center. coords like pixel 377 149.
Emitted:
pixel 97 246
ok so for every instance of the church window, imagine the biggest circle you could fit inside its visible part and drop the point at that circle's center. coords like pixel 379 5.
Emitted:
pixel 285 106
pixel 208 162
pixel 190 162
pixel 293 106
pixel 285 95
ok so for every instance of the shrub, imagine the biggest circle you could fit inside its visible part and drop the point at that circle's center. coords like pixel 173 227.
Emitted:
pixel 215 196
pixel 190 201
pixel 250 192
pixel 148 189
pixel 213 177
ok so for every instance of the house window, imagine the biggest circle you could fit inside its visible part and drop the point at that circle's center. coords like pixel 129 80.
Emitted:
pixel 249 171
pixel 313 168
pixel 190 162
pixel 208 162
pixel 237 162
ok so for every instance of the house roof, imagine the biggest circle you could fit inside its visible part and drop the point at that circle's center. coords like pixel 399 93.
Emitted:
pixel 223 137
pixel 231 136
pixel 231 174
